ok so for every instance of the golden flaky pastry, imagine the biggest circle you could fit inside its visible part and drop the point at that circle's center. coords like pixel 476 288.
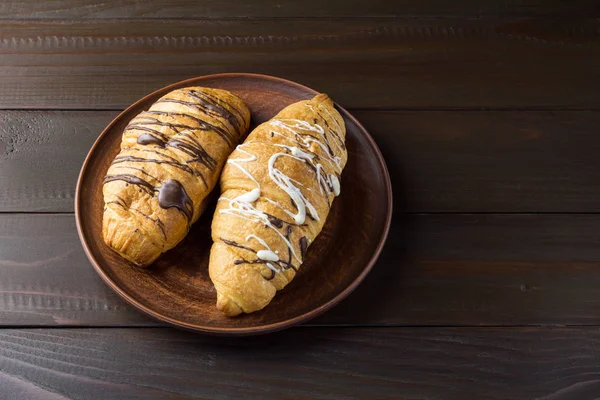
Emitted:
pixel 171 157
pixel 276 192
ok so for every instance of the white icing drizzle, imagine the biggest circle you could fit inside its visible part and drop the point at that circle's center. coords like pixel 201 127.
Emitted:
pixel 285 183
pixel 296 152
pixel 289 213
pixel 333 118
pixel 249 197
pixel 266 255
pixel 254 194
pixel 333 160
pixel 248 212
pixel 323 179
pixel 336 184
pixel 259 240
pixel 272 268
pixel 242 207
pixel 336 122
pixel 306 141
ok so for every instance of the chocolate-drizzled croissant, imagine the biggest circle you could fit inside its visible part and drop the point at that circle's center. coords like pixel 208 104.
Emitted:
pixel 276 192
pixel 171 157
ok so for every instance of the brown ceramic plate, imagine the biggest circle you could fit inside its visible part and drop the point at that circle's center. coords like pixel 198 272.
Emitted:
pixel 177 289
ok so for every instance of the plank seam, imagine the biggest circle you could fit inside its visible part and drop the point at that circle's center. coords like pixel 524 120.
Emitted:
pixel 79 42
pixel 351 109
pixel 396 213
pixel 580 13
pixel 310 326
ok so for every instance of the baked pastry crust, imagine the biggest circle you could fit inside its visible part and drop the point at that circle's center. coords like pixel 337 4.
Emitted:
pixel 276 192
pixel 170 160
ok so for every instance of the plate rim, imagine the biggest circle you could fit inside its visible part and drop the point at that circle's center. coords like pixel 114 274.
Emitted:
pixel 243 331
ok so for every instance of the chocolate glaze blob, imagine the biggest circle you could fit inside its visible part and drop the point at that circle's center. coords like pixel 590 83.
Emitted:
pixel 173 194
pixel 170 194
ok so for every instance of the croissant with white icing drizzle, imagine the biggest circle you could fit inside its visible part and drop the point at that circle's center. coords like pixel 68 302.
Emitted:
pixel 276 192
pixel 171 157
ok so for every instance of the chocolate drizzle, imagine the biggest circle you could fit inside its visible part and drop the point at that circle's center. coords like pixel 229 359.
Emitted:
pixel 283 265
pixel 202 125
pixel 303 246
pixel 235 244
pixel 142 127
pixel 325 184
pixel 189 146
pixel 145 119
pixel 137 169
pixel 195 150
pixel 244 261
pixel 303 137
pixel 224 134
pixel 333 132
pixel 147 139
pixel 170 194
pixel 211 103
pixel 173 194
pixel 134 180
pixel 173 162
pixel 288 264
pixel 158 138
pixel 275 221
pixel 158 222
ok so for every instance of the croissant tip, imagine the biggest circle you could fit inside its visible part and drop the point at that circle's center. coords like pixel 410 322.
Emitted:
pixel 127 241
pixel 228 306
pixel 322 98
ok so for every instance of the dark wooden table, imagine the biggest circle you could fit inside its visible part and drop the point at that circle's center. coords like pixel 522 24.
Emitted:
pixel 488 116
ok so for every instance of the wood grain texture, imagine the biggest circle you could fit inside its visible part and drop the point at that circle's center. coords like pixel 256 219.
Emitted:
pixel 45 278
pixel 434 270
pixel 482 270
pixel 207 9
pixel 40 157
pixel 290 8
pixel 306 363
pixel 490 161
pixel 372 62
pixel 439 161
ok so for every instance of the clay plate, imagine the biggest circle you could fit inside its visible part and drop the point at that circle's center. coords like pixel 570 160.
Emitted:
pixel 177 289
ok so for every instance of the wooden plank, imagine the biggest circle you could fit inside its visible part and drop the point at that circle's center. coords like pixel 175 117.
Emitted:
pixel 46 280
pixel 219 9
pixel 290 8
pixel 435 270
pixel 482 270
pixel 364 62
pixel 321 363
pixel 490 161
pixel 40 157
pixel 439 161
